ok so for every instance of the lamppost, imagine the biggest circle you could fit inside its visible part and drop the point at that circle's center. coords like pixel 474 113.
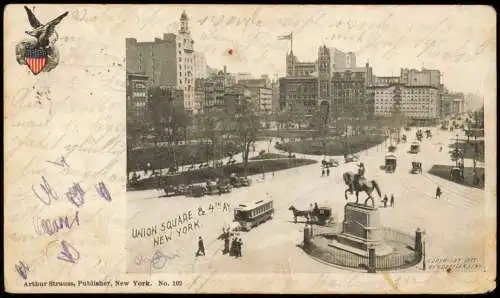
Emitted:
pixel 456 148
pixel 423 249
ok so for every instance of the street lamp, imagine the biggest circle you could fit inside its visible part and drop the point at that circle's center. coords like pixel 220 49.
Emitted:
pixel 423 249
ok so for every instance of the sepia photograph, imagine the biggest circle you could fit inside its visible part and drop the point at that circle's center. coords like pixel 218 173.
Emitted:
pixel 319 162
pixel 203 148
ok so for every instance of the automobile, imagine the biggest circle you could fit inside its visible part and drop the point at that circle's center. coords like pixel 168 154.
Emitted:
pixel 416 167
pixel 245 181
pixel 235 181
pixel 390 163
pixel 196 191
pixel 415 147
pixel 211 188
pixel 176 190
pixel 224 186
pixel 392 148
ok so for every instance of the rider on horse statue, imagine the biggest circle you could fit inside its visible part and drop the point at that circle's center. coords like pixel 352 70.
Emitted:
pixel 360 175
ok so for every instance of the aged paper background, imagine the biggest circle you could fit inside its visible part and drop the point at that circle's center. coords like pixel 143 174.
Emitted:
pixel 78 110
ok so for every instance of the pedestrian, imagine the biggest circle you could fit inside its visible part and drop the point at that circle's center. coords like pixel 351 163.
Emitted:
pixel 322 172
pixel 438 192
pixel 392 200
pixel 201 247
pixel 232 249
pixel 385 201
pixel 226 244
pixel 240 244
pixel 327 171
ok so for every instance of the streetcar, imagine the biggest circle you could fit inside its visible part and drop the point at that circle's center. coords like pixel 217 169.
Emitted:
pixel 252 214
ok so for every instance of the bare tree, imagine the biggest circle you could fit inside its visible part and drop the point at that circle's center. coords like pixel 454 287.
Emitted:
pixel 246 126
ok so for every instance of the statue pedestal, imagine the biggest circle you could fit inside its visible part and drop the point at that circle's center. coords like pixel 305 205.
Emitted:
pixel 361 230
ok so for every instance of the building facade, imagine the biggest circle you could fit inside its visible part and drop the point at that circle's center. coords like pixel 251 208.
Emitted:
pixel 414 102
pixel 299 91
pixel 349 95
pixel 167 62
pixel 137 98
pixel 200 65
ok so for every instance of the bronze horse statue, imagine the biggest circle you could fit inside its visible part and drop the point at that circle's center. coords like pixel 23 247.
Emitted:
pixel 358 185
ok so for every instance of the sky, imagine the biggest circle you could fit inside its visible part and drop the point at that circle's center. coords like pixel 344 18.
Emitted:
pixel 458 40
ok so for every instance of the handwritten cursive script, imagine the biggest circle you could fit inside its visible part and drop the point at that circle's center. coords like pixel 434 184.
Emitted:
pixel 52 226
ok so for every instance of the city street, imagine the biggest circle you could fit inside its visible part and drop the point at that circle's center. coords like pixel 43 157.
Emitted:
pixel 454 223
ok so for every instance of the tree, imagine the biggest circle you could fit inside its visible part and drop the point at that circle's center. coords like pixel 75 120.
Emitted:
pixel 246 126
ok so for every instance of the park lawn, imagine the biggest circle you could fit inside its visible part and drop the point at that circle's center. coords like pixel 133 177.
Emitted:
pixel 202 175
pixel 443 171
pixel 269 156
pixel 469 149
pixel 184 154
pixel 333 146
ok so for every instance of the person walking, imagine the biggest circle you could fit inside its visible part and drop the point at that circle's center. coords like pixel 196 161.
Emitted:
pixel 232 250
pixel 392 200
pixel 201 247
pixel 322 172
pixel 240 245
pixel 385 200
pixel 327 171
pixel 438 192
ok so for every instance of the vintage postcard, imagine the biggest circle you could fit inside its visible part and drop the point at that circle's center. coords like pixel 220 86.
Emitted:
pixel 249 149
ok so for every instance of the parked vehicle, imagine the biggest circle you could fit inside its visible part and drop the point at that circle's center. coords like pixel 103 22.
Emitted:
pixel 196 191
pixel 224 186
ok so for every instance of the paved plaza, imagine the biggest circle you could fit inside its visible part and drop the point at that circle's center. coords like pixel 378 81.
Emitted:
pixel 454 224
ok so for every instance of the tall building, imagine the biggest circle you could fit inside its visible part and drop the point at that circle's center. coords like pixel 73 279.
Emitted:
pixel 300 92
pixel 415 102
pixel 275 105
pixel 349 96
pixel 137 98
pixel 424 77
pixel 261 93
pixel 167 62
pixel 452 103
pixel 200 65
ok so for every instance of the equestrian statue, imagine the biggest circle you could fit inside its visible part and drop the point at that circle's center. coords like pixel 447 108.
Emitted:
pixel 357 183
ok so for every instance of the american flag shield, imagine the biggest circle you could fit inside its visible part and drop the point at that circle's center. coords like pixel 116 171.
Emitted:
pixel 36 59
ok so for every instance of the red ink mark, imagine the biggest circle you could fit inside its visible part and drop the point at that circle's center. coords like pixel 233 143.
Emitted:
pixel 230 51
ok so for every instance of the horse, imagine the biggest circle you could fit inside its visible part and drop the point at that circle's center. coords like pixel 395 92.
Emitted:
pixel 360 185
pixel 299 213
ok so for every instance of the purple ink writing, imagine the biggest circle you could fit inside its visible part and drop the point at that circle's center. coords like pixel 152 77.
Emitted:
pixel 76 195
pixel 52 226
pixel 49 192
pixel 102 190
pixel 68 253
pixel 22 269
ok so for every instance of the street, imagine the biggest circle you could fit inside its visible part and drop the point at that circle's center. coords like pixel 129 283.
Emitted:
pixel 454 223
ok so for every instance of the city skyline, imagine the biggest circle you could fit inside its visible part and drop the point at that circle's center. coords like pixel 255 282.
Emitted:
pixel 438 48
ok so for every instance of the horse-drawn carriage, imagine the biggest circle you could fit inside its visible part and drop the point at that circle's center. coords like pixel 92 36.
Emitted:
pixel 416 167
pixel 457 154
pixel 330 163
pixel 392 148
pixel 390 163
pixel 456 174
pixel 319 216
pixel 414 148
